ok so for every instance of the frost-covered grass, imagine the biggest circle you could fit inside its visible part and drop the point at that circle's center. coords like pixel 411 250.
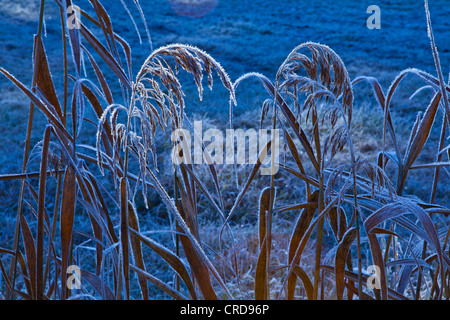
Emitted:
pixel 226 258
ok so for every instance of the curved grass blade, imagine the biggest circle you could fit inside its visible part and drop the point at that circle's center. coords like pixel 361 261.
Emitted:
pixel 301 226
pixel 262 290
pixel 422 133
pixel 66 223
pixel 136 247
pixel 168 256
pixel 106 56
pixel 160 284
pixel 40 221
pixel 307 284
pixel 30 251
pixel 44 79
pixel 341 258
pixel 124 239
pixel 96 283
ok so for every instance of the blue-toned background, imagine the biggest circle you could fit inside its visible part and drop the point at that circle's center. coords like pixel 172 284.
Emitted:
pixel 258 34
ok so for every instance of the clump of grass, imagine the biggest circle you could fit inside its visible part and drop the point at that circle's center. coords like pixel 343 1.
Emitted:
pixel 355 208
